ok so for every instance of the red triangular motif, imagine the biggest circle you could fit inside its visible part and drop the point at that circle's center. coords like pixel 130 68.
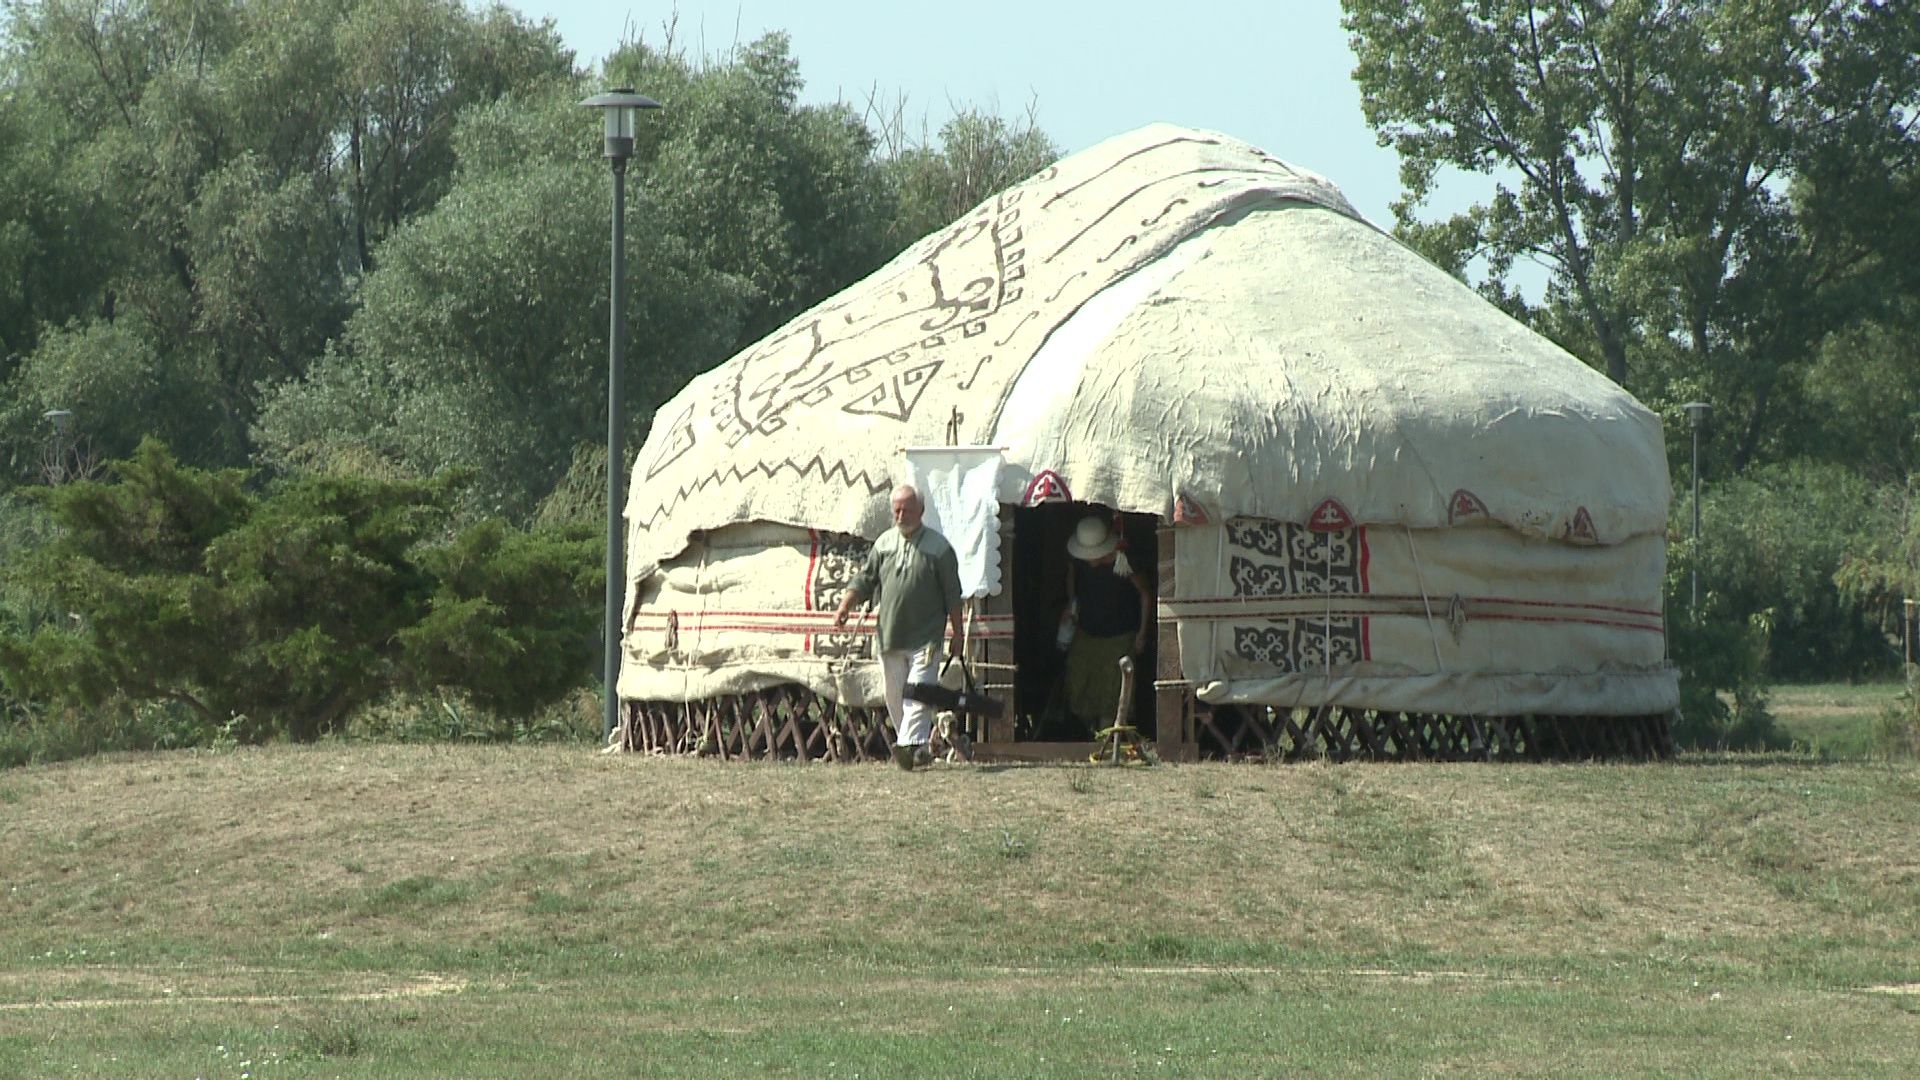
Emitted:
pixel 1186 511
pixel 1582 527
pixel 1045 488
pixel 1329 516
pixel 1464 504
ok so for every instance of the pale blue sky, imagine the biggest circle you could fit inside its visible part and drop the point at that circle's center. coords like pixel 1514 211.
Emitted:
pixel 1273 72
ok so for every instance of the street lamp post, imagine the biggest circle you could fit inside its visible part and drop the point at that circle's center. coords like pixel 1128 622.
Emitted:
pixel 620 108
pixel 55 465
pixel 1906 638
pixel 1696 419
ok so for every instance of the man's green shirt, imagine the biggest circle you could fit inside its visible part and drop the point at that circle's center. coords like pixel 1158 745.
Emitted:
pixel 913 583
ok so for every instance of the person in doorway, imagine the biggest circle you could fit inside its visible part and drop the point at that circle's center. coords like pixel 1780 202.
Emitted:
pixel 913 577
pixel 1108 606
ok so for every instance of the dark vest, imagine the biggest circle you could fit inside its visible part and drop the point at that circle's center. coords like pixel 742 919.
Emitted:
pixel 1109 604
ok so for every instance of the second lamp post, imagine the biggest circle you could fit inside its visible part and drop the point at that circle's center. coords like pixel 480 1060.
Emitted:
pixel 1696 419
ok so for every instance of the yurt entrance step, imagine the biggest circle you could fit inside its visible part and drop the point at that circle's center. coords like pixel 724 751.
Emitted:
pixel 1036 752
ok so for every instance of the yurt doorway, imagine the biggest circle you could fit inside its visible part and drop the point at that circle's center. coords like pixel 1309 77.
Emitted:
pixel 1042 570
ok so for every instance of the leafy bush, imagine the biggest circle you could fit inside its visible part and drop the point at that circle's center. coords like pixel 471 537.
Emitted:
pixel 1723 686
pixel 1773 543
pixel 492 626
pixel 1896 730
pixel 1722 656
pixel 280 614
pixel 1884 570
pixel 36 735
pixel 447 716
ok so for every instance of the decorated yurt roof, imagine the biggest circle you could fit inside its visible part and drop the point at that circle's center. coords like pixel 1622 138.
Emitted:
pixel 1171 321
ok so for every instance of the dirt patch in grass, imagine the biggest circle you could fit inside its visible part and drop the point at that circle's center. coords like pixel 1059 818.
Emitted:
pixel 97 987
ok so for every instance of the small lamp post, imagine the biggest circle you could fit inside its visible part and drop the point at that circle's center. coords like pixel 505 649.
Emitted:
pixel 57 449
pixel 1906 637
pixel 621 110
pixel 1697 412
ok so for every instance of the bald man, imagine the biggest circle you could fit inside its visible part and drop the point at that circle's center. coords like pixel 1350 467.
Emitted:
pixel 913 577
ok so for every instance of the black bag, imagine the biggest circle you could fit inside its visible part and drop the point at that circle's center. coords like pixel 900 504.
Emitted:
pixel 968 700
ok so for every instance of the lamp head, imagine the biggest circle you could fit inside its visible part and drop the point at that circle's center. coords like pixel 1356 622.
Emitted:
pixel 620 108
pixel 1697 412
pixel 59 418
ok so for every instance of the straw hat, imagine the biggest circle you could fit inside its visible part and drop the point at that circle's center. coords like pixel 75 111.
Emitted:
pixel 1091 540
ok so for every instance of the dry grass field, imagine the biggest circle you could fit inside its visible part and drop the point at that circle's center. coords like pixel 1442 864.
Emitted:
pixel 406 911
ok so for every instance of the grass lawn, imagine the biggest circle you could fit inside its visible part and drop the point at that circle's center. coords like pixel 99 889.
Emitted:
pixel 1832 720
pixel 408 911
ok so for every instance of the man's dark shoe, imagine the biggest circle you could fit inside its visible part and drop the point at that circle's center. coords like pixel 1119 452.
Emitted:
pixel 922 755
pixel 903 757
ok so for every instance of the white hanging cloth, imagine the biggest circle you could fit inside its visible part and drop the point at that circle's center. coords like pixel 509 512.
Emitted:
pixel 960 487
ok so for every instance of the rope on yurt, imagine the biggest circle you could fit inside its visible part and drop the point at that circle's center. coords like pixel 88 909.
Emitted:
pixel 1420 577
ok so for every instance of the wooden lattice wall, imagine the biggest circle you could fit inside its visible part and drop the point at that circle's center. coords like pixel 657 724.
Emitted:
pixel 793 723
pixel 1342 734
pixel 780 723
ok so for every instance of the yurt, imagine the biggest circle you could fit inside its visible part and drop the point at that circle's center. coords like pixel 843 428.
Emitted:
pixel 1378 517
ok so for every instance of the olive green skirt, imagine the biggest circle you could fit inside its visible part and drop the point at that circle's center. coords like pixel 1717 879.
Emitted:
pixel 1093 678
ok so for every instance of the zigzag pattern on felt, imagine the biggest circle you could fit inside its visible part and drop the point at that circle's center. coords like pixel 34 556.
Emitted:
pixel 735 474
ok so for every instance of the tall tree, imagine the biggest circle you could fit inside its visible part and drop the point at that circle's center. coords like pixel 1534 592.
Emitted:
pixel 805 204
pixel 480 340
pixel 1693 174
pixel 214 175
pixel 977 155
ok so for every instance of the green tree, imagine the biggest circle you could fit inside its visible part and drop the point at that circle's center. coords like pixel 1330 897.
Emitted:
pixel 1707 183
pixel 1773 543
pixel 1863 398
pixel 480 337
pixel 408 68
pixel 52 242
pixel 805 205
pixel 220 173
pixel 1882 570
pixel 281 613
pixel 977 156
pixel 480 341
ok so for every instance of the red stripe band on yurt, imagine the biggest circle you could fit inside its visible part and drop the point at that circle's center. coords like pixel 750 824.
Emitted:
pixel 1367 613
pixel 787 613
pixel 1617 609
pixel 813 563
pixel 1615 623
pixel 1310 605
pixel 809 631
pixel 1416 598
pixel 756 622
pixel 1412 598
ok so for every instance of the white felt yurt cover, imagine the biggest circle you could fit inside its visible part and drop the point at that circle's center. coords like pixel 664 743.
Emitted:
pixel 1175 323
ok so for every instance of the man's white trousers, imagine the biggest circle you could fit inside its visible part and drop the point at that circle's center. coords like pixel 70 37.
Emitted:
pixel 912 720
